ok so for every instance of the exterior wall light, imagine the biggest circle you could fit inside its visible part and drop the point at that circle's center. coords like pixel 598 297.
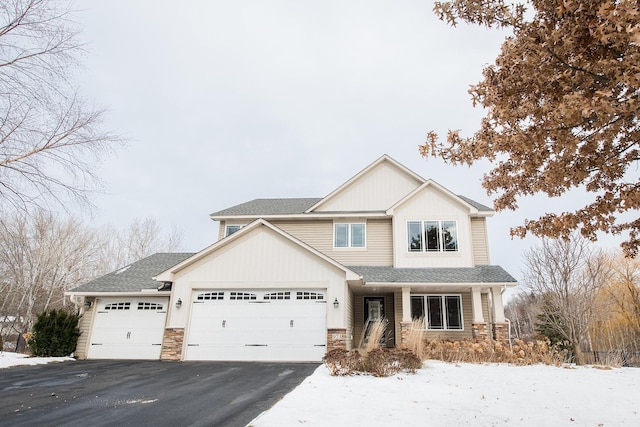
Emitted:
pixel 87 304
pixel 179 303
pixel 336 304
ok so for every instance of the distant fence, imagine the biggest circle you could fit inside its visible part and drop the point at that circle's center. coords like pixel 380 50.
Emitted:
pixel 614 357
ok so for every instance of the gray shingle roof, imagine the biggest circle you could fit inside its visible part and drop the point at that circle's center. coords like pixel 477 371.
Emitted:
pixel 134 277
pixel 295 206
pixel 479 206
pixel 270 207
pixel 480 274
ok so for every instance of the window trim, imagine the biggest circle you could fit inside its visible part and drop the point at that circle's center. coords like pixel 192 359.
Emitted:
pixel 349 235
pixel 440 237
pixel 445 323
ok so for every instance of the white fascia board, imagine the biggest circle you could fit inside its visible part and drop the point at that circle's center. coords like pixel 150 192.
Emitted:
pixel 324 215
pixel 120 294
pixel 411 284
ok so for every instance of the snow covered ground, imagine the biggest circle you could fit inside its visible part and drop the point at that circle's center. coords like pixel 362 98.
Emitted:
pixel 8 359
pixel 444 394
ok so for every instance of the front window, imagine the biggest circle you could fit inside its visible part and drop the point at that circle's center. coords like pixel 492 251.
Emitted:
pixel 432 236
pixel 348 235
pixel 440 311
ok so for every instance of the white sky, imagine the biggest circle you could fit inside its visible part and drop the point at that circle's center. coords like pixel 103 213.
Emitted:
pixel 227 101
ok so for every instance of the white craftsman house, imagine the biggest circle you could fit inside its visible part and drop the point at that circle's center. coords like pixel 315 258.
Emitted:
pixel 289 279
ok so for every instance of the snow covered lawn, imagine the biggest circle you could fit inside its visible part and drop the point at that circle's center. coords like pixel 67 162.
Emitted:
pixel 8 359
pixel 443 394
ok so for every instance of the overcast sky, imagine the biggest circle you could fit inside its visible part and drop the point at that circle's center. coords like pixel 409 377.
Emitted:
pixel 227 101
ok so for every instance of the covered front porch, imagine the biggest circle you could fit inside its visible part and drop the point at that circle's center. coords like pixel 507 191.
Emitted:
pixel 455 310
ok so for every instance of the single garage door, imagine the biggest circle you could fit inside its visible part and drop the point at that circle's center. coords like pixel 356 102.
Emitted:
pixel 258 325
pixel 128 328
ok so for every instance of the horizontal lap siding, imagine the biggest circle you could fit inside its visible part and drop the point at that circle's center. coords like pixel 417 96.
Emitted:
pixel 479 241
pixel 467 314
pixel 84 325
pixel 319 234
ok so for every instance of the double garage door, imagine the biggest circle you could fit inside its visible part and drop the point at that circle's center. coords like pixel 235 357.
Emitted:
pixel 266 325
pixel 128 328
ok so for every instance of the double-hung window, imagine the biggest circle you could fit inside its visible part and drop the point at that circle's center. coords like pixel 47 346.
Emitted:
pixel 440 311
pixel 349 235
pixel 432 236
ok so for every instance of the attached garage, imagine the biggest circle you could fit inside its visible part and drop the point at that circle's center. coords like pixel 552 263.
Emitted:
pixel 257 325
pixel 128 328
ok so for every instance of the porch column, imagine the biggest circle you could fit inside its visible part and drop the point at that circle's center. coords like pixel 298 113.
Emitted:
pixel 500 328
pixel 476 304
pixel 479 329
pixel 406 304
pixel 498 308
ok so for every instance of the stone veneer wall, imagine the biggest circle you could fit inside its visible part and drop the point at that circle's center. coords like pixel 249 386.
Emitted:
pixel 500 331
pixel 172 344
pixel 480 331
pixel 336 338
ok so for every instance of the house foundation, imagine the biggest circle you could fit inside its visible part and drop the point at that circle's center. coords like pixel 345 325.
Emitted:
pixel 172 344
pixel 336 338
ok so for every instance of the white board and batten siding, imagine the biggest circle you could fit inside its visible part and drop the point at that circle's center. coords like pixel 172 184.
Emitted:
pixel 257 325
pixel 377 190
pixel 127 328
pixel 433 204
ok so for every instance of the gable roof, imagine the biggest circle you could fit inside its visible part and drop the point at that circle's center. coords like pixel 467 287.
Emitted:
pixel 306 207
pixel 467 275
pixel 168 274
pixel 134 277
pixel 381 159
pixel 474 207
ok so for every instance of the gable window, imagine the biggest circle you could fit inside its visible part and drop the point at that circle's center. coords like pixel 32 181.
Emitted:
pixel 432 236
pixel 349 235
pixel 440 311
pixel 230 229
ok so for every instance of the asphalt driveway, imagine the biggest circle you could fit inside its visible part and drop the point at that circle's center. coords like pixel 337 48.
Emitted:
pixel 144 393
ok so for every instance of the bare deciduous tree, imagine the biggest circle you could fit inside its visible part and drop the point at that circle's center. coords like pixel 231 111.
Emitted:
pixel 49 139
pixel 567 274
pixel 41 257
pixel 141 239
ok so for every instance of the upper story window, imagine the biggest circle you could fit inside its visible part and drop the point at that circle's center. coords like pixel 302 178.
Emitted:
pixel 230 229
pixel 349 235
pixel 432 236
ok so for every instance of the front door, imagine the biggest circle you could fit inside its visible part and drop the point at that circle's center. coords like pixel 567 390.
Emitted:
pixel 373 311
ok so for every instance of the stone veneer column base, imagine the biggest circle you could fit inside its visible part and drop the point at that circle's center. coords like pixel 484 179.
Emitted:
pixel 172 344
pixel 405 328
pixel 479 331
pixel 336 338
pixel 500 331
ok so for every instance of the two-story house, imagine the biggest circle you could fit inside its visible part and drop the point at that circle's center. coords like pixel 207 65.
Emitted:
pixel 289 279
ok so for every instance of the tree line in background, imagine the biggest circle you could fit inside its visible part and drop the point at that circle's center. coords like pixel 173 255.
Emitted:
pixel 585 299
pixel 43 255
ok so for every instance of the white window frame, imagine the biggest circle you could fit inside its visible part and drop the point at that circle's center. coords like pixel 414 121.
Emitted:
pixel 423 243
pixel 349 235
pixel 442 297
pixel 228 226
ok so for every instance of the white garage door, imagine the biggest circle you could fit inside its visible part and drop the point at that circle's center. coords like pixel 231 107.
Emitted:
pixel 260 325
pixel 128 328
